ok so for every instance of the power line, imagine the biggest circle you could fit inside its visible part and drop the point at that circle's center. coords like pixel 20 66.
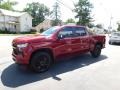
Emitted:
pixel 64 5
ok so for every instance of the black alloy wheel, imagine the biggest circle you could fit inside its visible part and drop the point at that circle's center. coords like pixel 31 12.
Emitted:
pixel 41 62
pixel 97 51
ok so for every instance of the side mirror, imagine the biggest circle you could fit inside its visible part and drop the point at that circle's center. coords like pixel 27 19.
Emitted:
pixel 60 37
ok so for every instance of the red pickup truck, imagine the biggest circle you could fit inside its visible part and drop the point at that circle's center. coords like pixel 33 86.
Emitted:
pixel 41 51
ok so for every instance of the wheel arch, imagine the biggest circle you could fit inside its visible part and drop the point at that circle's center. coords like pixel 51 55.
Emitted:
pixel 47 50
pixel 99 43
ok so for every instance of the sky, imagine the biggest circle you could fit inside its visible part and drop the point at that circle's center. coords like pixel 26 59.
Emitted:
pixel 102 13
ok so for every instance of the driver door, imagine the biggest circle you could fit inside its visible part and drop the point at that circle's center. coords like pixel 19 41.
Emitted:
pixel 63 44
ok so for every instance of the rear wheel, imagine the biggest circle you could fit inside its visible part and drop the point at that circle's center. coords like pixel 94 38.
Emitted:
pixel 97 51
pixel 110 42
pixel 41 62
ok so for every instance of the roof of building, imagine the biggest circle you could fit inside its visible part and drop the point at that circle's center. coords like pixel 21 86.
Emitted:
pixel 11 13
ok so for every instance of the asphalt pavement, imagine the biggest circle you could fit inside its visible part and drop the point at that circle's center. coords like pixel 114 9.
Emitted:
pixel 79 73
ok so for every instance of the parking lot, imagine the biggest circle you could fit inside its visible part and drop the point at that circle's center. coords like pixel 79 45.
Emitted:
pixel 79 73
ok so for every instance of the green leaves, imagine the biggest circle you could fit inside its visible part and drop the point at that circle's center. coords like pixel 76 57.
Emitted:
pixel 8 5
pixel 37 11
pixel 83 10
pixel 118 29
pixel 70 20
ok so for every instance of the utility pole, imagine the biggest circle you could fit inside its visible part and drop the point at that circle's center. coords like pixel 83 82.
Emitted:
pixel 56 14
pixel 56 10
pixel 110 26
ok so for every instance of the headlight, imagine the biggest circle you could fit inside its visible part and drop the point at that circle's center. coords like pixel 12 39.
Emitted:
pixel 22 45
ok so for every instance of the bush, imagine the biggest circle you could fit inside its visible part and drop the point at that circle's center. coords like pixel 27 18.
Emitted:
pixel 9 32
pixel 28 32
pixel 33 30
pixel 2 32
pixel 6 32
pixel 41 30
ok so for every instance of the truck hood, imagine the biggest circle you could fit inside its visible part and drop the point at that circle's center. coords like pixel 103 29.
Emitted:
pixel 31 39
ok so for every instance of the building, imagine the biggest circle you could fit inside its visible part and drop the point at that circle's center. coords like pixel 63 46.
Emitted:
pixel 15 21
pixel 44 25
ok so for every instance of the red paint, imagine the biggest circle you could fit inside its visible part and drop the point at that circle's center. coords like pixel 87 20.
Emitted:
pixel 59 47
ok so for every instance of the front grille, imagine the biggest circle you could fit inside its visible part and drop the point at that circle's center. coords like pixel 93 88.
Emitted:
pixel 14 45
pixel 15 49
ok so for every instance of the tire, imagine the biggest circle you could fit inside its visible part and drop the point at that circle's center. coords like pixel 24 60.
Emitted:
pixel 40 62
pixel 96 52
pixel 110 42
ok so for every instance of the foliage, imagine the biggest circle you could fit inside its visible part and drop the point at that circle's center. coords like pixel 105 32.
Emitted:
pixel 10 32
pixel 41 30
pixel 91 25
pixel 118 29
pixel 28 32
pixel 6 32
pixel 70 20
pixel 55 14
pixel 8 5
pixel 33 30
pixel 83 10
pixel 99 26
pixel 37 11
pixel 56 22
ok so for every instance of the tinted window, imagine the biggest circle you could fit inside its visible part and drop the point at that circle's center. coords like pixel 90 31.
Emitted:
pixel 79 31
pixel 116 34
pixel 66 32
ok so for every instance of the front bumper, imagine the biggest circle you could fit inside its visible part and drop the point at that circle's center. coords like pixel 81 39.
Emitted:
pixel 114 41
pixel 20 59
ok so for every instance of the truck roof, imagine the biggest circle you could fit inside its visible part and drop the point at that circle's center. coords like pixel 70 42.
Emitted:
pixel 70 26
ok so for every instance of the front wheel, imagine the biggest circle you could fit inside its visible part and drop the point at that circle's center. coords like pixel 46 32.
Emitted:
pixel 96 52
pixel 40 62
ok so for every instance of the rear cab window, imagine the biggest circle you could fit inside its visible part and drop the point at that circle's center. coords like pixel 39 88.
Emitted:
pixel 79 31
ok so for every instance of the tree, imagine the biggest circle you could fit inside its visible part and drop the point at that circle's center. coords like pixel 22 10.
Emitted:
pixel 91 25
pixel 37 11
pixel 70 20
pixel 8 5
pixel 118 29
pixel 55 14
pixel 83 10
pixel 99 26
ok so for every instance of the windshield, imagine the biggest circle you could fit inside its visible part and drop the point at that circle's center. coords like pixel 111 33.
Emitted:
pixel 50 31
pixel 116 34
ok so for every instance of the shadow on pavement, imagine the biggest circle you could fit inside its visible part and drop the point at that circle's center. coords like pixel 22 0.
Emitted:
pixel 14 77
